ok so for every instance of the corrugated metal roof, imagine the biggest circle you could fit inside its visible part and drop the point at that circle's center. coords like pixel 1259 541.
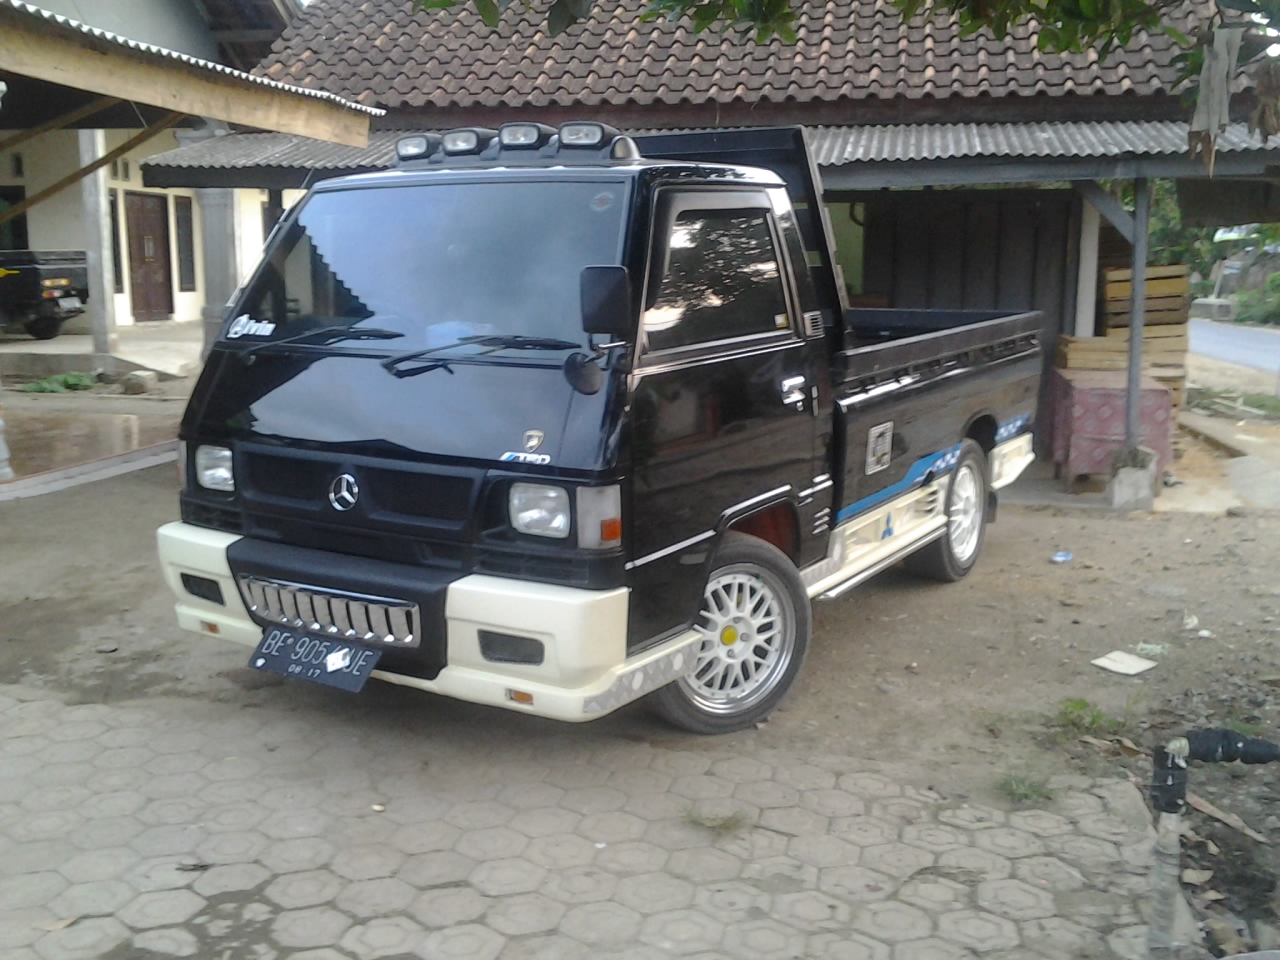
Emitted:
pixel 836 146
pixel 239 151
pixel 150 50
pixel 831 146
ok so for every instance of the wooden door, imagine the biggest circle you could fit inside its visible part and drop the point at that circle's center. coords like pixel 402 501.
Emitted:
pixel 147 222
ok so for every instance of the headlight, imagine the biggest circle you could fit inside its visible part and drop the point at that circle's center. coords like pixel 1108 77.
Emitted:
pixel 213 469
pixel 540 510
pixel 599 517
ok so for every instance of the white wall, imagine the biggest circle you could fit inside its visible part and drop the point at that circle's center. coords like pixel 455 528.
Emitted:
pixel 249 236
pixel 57 223
pixel 173 24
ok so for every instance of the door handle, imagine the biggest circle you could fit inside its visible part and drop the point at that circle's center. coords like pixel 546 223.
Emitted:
pixel 793 389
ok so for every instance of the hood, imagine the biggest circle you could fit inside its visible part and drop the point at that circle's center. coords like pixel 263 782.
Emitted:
pixel 490 410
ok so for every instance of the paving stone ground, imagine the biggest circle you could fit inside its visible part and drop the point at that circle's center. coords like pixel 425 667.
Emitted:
pixel 211 830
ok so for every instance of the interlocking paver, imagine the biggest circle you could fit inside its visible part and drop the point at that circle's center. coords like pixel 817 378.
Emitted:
pixel 654 893
pixel 545 821
pixel 437 868
pixel 492 843
pixel 935 894
pixel 1048 873
pixel 307 889
pixel 682 931
pixel 315 927
pixel 467 942
pixel 447 906
pixel 385 896
pixel 303 853
pixel 856 884
pixel 119 803
pixel 732 901
pixel 230 878
pixel 31 889
pixel 931 948
pixel 161 908
pixel 804 776
pixel 169 840
pixel 892 921
pixel 1008 842
pixel 823 850
pixel 579 885
pixel 21 928
pixel 977 930
pixel 612 827
pixel 811 910
pixel 159 873
pixel 1060 939
pixel 171 942
pixel 1040 822
pixel 524 914
pixel 558 851
pixel 704 864
pixel 763 940
pixel 383 937
pixel 631 857
pixel 95 864
pixel 1106 826
pixel 1087 853
pixel 85 940
pixel 864 831
pixel 1015 900
pixel 846 946
pixel 742 769
pixel 601 924
pixel 1076 804
pixel 367 861
pixel 243 846
pixel 896 859
pixel 833 803
pixel 972 817
pixel 981 864
pixel 496 878
pixel 96 898
pixel 934 837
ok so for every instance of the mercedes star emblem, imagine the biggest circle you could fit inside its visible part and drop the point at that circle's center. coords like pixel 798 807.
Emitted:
pixel 533 440
pixel 344 492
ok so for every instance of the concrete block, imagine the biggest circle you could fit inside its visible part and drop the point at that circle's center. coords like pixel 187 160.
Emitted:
pixel 1134 488
pixel 139 381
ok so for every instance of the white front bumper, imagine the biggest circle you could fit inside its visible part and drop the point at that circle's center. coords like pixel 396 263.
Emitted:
pixel 585 674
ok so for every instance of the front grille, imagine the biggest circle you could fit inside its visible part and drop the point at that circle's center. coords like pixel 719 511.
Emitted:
pixel 412 494
pixel 370 619
pixel 292 477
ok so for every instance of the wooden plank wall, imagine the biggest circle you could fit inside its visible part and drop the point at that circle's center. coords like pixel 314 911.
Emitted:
pixel 972 249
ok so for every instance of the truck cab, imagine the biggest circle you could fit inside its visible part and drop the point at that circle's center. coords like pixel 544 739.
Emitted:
pixel 553 420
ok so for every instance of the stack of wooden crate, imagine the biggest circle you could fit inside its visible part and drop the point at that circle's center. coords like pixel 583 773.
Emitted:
pixel 1164 333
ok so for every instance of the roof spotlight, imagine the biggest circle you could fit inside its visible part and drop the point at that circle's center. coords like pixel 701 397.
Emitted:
pixel 416 146
pixel 467 140
pixel 583 134
pixel 524 136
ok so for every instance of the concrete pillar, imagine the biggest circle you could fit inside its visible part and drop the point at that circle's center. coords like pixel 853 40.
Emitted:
pixel 1137 308
pixel 6 471
pixel 97 244
pixel 1087 275
pixel 221 273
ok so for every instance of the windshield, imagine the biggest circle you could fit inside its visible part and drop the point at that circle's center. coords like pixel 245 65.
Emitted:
pixel 427 266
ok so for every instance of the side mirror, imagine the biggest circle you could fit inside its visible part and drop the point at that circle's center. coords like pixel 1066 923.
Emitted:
pixel 606 301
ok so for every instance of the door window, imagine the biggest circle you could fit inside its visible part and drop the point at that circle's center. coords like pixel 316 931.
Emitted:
pixel 719 280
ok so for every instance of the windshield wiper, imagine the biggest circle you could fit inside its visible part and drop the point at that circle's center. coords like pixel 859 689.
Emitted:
pixel 493 342
pixel 335 333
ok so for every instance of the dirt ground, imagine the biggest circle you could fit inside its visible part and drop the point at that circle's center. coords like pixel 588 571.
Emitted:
pixel 959 686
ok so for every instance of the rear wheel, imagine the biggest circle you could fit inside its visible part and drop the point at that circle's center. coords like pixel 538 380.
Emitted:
pixel 755 624
pixel 43 328
pixel 953 554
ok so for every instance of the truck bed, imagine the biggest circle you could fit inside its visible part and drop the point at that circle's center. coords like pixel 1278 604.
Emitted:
pixel 879 340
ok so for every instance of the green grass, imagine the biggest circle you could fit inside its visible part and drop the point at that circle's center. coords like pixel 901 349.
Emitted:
pixel 1024 789
pixel 62 382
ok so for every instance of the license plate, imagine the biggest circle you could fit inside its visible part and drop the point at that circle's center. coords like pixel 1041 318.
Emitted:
pixel 335 663
pixel 69 303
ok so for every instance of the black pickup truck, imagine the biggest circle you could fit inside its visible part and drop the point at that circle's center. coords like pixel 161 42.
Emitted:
pixel 41 289
pixel 554 420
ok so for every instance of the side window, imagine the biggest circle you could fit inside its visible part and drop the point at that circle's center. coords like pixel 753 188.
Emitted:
pixel 720 280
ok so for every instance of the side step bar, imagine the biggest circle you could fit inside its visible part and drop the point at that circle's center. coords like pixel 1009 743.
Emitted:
pixel 883 564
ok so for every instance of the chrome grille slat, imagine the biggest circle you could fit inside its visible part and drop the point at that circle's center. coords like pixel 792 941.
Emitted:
pixel 376 621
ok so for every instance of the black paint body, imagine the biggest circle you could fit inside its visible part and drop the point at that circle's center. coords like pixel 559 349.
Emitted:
pixel 698 437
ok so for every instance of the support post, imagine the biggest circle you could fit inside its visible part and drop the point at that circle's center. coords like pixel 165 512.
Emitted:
pixel 6 470
pixel 218 231
pixel 95 202
pixel 1133 401
pixel 1087 274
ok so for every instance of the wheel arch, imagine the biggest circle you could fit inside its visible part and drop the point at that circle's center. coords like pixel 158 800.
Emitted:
pixel 982 431
pixel 776 522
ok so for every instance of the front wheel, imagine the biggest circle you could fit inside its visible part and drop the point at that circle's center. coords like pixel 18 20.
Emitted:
pixel 755 624
pixel 44 328
pixel 953 554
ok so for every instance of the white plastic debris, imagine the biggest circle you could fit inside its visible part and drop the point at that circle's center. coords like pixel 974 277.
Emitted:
pixel 1122 662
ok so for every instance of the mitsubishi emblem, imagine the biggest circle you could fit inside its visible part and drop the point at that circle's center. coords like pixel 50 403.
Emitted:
pixel 344 492
pixel 533 440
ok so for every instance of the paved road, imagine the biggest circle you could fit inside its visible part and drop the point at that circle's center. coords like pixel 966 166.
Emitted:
pixel 183 829
pixel 1256 347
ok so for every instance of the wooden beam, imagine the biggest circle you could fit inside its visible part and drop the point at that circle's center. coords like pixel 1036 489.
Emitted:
pixel 1108 206
pixel 37 50
pixel 72 178
pixel 57 123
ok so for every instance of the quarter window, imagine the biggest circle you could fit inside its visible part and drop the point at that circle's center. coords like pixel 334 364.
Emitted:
pixel 720 280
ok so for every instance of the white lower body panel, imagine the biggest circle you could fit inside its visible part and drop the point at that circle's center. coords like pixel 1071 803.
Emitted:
pixel 585 673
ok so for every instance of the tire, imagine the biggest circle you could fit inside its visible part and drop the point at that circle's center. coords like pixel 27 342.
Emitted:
pixel 718 696
pixel 43 328
pixel 953 555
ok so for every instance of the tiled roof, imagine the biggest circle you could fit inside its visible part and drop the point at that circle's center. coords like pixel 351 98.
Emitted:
pixel 394 54
pixel 147 51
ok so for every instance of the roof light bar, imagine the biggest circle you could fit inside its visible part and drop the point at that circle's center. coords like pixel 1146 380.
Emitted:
pixel 524 136
pixel 466 140
pixel 416 146
pixel 586 135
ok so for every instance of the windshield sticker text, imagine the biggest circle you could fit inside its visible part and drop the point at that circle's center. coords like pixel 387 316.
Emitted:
pixel 519 456
pixel 245 326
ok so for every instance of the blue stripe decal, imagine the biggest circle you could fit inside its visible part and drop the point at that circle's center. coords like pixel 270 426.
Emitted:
pixel 935 463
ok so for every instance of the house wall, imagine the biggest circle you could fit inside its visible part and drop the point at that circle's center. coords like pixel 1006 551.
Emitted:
pixel 174 24
pixel 58 223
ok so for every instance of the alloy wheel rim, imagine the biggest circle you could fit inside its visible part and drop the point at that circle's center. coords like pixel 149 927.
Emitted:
pixel 964 514
pixel 748 638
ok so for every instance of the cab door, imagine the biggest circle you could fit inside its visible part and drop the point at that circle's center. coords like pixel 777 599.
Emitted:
pixel 722 394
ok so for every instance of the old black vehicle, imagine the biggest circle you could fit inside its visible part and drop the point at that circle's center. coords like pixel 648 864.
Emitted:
pixel 554 420
pixel 41 290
